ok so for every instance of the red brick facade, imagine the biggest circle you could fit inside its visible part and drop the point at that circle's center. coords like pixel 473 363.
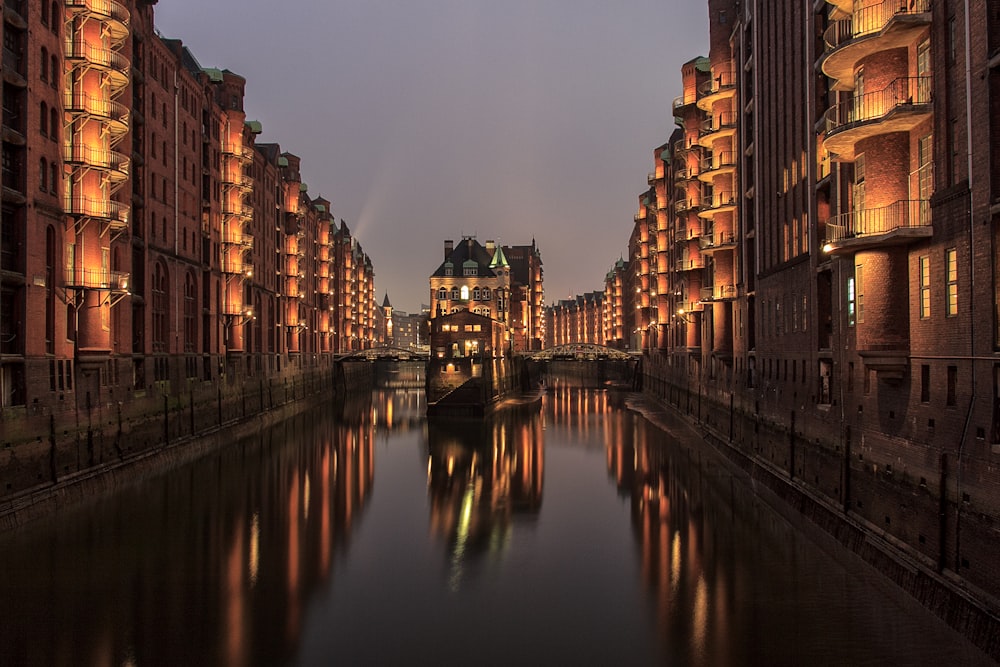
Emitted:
pixel 148 238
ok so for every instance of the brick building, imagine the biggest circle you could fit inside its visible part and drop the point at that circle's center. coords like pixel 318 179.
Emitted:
pixel 144 227
pixel 831 286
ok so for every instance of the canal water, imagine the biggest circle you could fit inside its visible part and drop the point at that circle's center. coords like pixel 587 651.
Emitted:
pixel 576 532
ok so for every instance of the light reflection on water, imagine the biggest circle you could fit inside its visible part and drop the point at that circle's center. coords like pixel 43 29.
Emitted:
pixel 574 534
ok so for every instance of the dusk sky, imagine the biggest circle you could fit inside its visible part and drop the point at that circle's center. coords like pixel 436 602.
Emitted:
pixel 426 120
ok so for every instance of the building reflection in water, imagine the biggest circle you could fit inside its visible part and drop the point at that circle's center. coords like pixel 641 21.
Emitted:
pixel 482 474
pixel 224 554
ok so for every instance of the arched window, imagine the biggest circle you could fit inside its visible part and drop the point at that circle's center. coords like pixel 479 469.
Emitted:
pixel 45 13
pixel 442 294
pixel 486 294
pixel 55 18
pixel 476 294
pixel 54 71
pixel 43 175
pixel 44 74
pixel 160 305
pixel 43 119
pixel 465 292
pixel 54 123
pixel 454 293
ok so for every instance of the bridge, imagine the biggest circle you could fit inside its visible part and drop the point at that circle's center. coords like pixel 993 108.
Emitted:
pixel 580 352
pixel 386 353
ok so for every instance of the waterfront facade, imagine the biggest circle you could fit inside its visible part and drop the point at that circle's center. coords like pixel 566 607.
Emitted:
pixel 827 209
pixel 148 237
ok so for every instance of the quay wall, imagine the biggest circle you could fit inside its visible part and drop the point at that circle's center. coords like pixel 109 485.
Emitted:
pixel 906 526
pixel 51 459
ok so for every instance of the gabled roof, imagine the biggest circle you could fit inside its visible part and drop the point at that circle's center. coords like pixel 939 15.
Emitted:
pixel 467 250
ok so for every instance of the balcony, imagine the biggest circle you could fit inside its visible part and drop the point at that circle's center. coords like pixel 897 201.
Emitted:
pixel 720 202
pixel 236 264
pixel 78 277
pixel 113 13
pixel 686 204
pixel 682 101
pixel 718 293
pixel 114 163
pixel 245 241
pixel 899 107
pixel 116 213
pixel 717 164
pixel 112 63
pixel 887 25
pixel 718 127
pixel 690 264
pixel 721 86
pixel 713 242
pixel 900 222
pixel 114 114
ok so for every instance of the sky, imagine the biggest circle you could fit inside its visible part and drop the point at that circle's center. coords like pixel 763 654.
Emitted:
pixel 427 120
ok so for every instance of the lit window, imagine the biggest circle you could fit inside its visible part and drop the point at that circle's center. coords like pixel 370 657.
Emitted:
pixel 851 314
pixel 859 286
pixel 925 287
pixel 951 285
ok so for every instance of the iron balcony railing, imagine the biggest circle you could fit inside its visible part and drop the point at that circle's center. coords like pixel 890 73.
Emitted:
pixel 872 20
pixel 720 199
pixel 100 57
pixel 95 106
pixel 98 158
pixel 108 9
pixel 113 211
pixel 718 161
pixel 86 278
pixel 718 292
pixel 716 240
pixel 690 264
pixel 720 81
pixel 902 214
pixel 874 106
pixel 722 121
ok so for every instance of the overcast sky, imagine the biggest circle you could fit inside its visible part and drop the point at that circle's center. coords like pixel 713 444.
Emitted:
pixel 426 120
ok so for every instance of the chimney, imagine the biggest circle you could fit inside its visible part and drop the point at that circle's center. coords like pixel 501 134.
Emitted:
pixel 490 247
pixel 449 245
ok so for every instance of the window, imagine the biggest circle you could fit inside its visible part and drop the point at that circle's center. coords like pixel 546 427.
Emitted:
pixel 54 178
pixel 54 123
pixel 43 119
pixel 54 72
pixel 925 383
pixel 851 312
pixel 43 175
pixel 465 292
pixel 442 294
pixel 951 282
pixel 160 302
pixel 44 66
pixel 45 13
pixel 859 287
pixel 454 293
pixel 925 286
pixel 486 294
pixel 476 294
pixel 55 16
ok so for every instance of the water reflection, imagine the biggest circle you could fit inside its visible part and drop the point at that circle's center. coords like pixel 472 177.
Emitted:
pixel 214 564
pixel 480 475
pixel 647 549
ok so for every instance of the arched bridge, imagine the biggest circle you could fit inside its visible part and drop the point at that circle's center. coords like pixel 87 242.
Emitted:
pixel 579 352
pixel 385 353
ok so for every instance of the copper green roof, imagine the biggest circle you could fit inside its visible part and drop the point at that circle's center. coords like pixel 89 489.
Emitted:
pixel 499 259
